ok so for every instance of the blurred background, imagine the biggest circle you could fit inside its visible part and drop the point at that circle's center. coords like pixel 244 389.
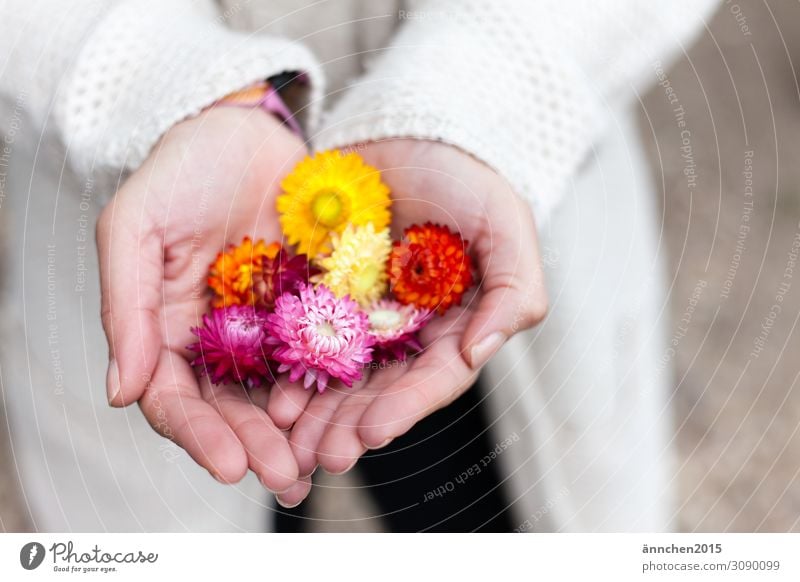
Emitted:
pixel 729 242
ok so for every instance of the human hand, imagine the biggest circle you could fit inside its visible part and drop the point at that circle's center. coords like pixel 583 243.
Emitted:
pixel 210 181
pixel 438 183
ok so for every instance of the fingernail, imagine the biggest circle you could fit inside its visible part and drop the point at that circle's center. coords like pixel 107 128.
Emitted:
pixel 286 505
pixel 217 477
pixel 270 489
pixel 263 484
pixel 350 466
pixel 380 446
pixel 314 470
pixel 485 349
pixel 112 381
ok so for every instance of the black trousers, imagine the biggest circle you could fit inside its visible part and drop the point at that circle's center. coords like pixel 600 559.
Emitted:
pixel 434 478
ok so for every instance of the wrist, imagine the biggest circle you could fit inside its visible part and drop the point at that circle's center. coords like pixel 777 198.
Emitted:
pixel 263 95
pixel 217 126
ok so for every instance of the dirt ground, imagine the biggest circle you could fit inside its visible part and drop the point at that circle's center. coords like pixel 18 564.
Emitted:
pixel 737 401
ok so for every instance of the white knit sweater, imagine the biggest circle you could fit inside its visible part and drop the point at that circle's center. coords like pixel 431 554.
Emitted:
pixel 522 85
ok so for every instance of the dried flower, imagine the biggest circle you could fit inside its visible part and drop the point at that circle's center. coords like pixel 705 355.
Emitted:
pixel 394 327
pixel 232 347
pixel 357 265
pixel 324 194
pixel 318 337
pixel 232 274
pixel 430 267
pixel 280 274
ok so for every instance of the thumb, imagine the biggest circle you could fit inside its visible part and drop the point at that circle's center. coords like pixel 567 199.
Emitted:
pixel 512 295
pixel 131 275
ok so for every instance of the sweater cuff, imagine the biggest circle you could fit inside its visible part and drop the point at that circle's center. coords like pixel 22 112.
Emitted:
pixel 520 107
pixel 151 64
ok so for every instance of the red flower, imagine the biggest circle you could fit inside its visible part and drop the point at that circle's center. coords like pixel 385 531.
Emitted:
pixel 430 268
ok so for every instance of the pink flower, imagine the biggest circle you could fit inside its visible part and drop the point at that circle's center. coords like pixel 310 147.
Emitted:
pixel 232 346
pixel 320 337
pixel 394 327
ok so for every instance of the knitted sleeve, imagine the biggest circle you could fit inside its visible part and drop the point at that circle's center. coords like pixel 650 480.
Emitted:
pixel 525 86
pixel 112 76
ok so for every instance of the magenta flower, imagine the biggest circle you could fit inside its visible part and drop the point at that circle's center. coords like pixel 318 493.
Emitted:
pixel 280 274
pixel 394 327
pixel 232 348
pixel 319 337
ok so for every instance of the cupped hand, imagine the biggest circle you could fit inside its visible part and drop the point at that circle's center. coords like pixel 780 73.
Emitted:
pixel 439 183
pixel 210 181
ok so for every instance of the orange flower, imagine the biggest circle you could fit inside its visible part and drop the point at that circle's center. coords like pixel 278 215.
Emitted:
pixel 231 275
pixel 430 268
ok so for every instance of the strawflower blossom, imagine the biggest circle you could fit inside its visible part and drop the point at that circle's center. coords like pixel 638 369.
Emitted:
pixel 430 268
pixel 232 348
pixel 279 274
pixel 357 264
pixel 325 193
pixel 318 337
pixel 394 327
pixel 232 273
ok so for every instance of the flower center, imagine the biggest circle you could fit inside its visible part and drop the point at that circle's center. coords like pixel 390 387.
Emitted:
pixel 243 328
pixel 366 279
pixel 385 319
pixel 327 208
pixel 326 329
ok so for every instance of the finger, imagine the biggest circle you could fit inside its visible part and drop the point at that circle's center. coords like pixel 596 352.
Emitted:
pixel 309 428
pixel 436 378
pixel 287 400
pixel 340 446
pixel 512 296
pixel 259 396
pixel 268 453
pixel 131 272
pixel 295 495
pixel 174 407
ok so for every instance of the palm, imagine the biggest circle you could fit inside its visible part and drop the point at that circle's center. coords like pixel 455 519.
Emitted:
pixel 211 181
pixel 438 183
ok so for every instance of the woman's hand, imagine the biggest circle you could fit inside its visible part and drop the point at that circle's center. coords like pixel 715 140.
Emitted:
pixel 210 181
pixel 439 183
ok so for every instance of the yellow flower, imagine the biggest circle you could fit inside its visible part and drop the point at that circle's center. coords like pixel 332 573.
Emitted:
pixel 357 265
pixel 324 194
